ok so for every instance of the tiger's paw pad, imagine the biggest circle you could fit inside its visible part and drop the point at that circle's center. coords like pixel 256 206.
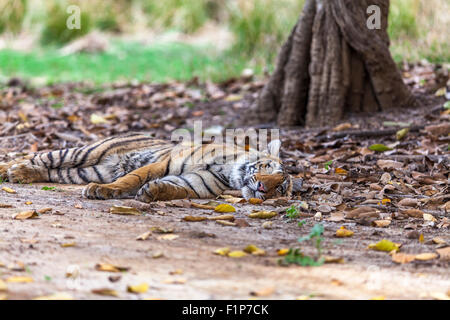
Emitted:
pixel 101 192
pixel 24 173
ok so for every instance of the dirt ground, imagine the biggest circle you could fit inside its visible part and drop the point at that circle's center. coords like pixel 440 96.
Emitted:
pixel 404 188
pixel 33 248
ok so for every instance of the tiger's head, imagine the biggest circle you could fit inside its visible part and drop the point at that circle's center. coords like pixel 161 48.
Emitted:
pixel 264 178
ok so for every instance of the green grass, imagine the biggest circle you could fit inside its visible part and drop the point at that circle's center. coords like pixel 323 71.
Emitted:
pixel 125 61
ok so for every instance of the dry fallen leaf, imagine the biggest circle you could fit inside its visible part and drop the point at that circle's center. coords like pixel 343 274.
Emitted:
pixel 384 245
pixel 168 237
pixel 44 210
pixel 262 215
pixel 402 258
pixel 139 288
pixel 331 259
pixel 9 190
pixel 264 292
pixel 222 251
pixel 110 268
pixel 125 210
pixel 342 232
pixel 224 208
pixel 26 215
pixel 255 201
pixel 237 254
pixel 68 244
pixel 105 292
pixel 226 223
pixel 56 296
pixel 414 213
pixel 3 286
pixel 194 218
pixel 202 206
pixel 19 279
pixel 144 236
pixel 175 281
pixel 426 256
pixel 283 252
pixel 381 223
pixel 429 217
pixel 222 217
pixel 444 253
pixel 254 250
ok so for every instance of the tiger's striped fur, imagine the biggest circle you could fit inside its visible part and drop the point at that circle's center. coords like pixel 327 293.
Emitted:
pixel 139 165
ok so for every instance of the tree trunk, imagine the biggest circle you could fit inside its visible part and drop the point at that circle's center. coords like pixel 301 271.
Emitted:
pixel 332 63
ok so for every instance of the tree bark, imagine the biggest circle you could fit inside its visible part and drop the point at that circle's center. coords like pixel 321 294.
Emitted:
pixel 331 64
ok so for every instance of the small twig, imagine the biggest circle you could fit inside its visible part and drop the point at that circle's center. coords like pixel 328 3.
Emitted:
pixel 367 133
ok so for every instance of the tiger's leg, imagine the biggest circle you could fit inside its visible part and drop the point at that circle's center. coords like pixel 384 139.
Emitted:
pixel 127 185
pixel 199 184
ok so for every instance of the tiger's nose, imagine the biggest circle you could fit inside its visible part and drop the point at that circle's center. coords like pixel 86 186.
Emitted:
pixel 261 187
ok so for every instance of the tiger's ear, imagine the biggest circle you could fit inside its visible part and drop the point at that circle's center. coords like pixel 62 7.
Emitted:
pixel 274 148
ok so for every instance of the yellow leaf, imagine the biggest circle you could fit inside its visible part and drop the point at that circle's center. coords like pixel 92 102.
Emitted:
pixel 384 245
pixel 237 254
pixel 341 171
pixel 224 208
pixel 331 259
pixel 263 214
pixel 56 296
pixel 421 238
pixel 105 292
pixel 255 201
pixel 19 279
pixel 97 119
pixel 254 250
pixel 28 202
pixel 124 210
pixel 9 190
pixel 109 267
pixel 426 256
pixel 3 286
pixel 26 215
pixel 282 252
pixel 384 201
pixel 401 133
pixel 222 251
pixel 140 288
pixel 68 244
pixel 343 233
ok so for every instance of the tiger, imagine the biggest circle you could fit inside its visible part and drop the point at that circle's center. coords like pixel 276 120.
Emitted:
pixel 148 169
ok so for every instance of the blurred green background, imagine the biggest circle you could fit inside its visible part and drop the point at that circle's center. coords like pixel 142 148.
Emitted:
pixel 161 40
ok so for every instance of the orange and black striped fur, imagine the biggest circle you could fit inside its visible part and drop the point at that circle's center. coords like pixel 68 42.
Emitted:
pixel 139 165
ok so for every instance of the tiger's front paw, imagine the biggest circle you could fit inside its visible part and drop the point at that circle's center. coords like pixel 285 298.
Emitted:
pixel 24 172
pixel 4 171
pixel 102 191
pixel 148 193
